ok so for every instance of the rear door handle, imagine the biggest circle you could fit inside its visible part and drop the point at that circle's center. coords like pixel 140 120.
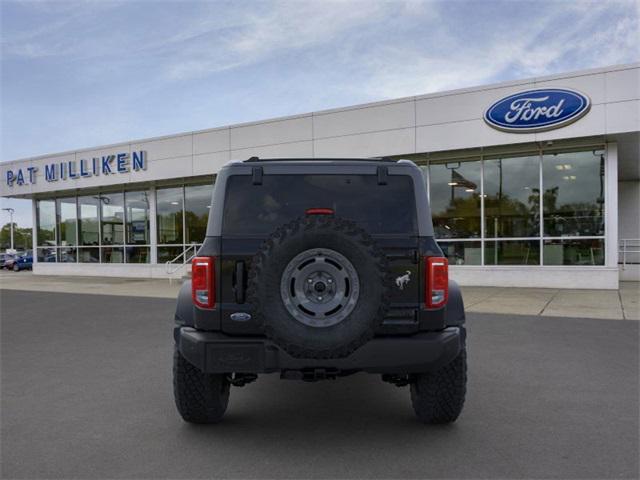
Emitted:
pixel 240 282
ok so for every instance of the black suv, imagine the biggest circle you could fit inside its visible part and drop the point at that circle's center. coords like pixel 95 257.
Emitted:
pixel 317 269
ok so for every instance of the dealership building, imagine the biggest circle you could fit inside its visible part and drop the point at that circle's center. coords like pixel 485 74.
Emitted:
pixel 533 183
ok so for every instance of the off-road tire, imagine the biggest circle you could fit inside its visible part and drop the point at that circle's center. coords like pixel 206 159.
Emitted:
pixel 438 397
pixel 200 397
pixel 322 232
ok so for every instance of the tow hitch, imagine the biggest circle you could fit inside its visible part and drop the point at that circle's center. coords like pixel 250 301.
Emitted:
pixel 311 375
pixel 241 379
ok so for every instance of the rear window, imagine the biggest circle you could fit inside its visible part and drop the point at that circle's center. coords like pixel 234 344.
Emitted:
pixel 259 209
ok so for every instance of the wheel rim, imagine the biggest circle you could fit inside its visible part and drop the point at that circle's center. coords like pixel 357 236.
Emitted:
pixel 320 287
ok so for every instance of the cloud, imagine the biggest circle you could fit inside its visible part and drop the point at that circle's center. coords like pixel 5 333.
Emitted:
pixel 287 26
pixel 558 39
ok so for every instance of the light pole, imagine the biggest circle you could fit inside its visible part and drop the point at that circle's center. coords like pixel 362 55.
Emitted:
pixel 11 212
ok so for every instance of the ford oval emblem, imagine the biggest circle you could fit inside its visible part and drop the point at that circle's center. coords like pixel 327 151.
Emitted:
pixel 537 110
pixel 240 316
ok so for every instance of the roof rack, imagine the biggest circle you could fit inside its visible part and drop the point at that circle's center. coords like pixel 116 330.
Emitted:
pixel 371 159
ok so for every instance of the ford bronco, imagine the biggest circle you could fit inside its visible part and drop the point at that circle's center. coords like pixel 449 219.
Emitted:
pixel 317 269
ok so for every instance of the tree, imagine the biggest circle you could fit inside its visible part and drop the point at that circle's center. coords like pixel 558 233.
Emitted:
pixel 21 237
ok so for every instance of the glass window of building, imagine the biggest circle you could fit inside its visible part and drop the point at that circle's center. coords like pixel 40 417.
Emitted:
pixel 47 254
pixel 574 251
pixel 167 254
pixel 67 229
pixel 462 253
pixel 67 221
pixel 46 230
pixel 67 254
pixel 89 255
pixel 169 204
pixel 169 208
pixel 455 199
pixel 137 218
pixel 137 254
pixel 512 196
pixel 573 198
pixel 137 227
pixel 197 202
pixel 112 254
pixel 46 223
pixel 112 218
pixel 512 252
pixel 88 227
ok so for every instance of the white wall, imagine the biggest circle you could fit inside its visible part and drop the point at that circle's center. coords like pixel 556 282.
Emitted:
pixel 537 277
pixel 110 270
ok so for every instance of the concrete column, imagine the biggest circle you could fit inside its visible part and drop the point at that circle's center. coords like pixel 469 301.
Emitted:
pixel 34 231
pixel 153 225
pixel 611 205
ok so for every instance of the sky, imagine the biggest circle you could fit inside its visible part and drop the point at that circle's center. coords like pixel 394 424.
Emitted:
pixel 87 73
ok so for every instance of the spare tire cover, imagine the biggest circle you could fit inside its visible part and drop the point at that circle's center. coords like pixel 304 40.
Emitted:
pixel 319 287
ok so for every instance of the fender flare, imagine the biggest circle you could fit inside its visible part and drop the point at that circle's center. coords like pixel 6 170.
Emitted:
pixel 184 307
pixel 454 310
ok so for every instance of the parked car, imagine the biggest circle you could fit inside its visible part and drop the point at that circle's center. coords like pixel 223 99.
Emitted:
pixel 318 269
pixel 23 262
pixel 7 261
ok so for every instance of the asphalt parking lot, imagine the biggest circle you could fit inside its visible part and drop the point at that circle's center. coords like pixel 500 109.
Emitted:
pixel 86 393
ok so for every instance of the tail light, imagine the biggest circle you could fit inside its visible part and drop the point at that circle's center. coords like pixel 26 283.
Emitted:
pixel 436 281
pixel 203 288
pixel 319 211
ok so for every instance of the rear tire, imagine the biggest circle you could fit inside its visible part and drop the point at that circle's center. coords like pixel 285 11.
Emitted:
pixel 438 397
pixel 16 268
pixel 200 397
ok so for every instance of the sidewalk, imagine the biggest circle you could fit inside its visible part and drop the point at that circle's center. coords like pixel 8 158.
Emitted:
pixel 610 304
pixel 607 304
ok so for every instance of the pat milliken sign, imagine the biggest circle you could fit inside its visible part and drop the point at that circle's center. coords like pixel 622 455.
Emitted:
pixel 117 163
pixel 537 110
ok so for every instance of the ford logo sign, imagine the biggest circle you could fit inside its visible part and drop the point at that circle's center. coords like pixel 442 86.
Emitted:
pixel 537 110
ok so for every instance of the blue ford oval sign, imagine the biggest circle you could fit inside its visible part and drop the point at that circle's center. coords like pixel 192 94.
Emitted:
pixel 537 110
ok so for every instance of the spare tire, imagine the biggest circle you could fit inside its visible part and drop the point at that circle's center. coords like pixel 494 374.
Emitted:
pixel 319 287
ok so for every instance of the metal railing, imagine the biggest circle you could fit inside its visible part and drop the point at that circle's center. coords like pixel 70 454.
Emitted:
pixel 178 263
pixel 628 247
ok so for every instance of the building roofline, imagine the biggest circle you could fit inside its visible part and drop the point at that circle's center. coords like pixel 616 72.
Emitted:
pixel 444 93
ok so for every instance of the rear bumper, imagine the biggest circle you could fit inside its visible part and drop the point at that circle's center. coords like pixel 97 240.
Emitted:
pixel 214 352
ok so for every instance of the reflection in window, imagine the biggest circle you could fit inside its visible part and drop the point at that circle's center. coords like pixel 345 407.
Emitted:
pixel 112 255
pixel 137 218
pixel 112 218
pixel 137 254
pixel 512 197
pixel 573 198
pixel 67 254
pixel 67 213
pixel 512 252
pixel 46 217
pixel 197 200
pixel 574 252
pixel 462 253
pixel 455 199
pixel 89 255
pixel 88 220
pixel 46 254
pixel 166 254
pixel 169 207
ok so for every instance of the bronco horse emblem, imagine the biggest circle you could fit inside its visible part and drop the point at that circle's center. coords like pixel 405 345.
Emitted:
pixel 402 280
